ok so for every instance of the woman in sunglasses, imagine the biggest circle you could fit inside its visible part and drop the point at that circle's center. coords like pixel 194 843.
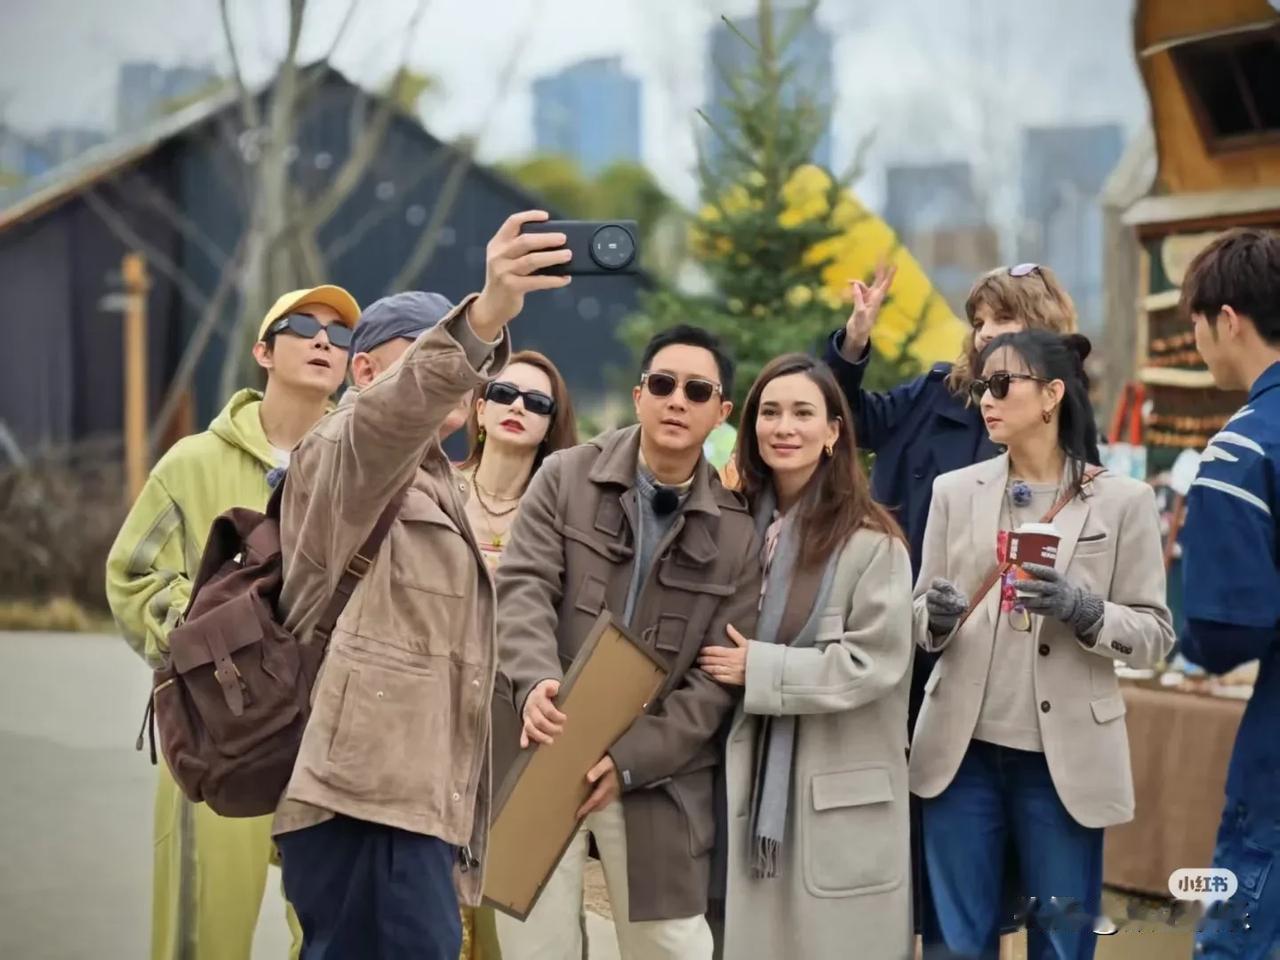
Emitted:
pixel 815 840
pixel 520 417
pixel 1021 736
pixel 928 426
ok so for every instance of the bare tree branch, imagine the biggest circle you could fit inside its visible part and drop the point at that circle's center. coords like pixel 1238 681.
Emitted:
pixel 420 257
pixel 314 80
pixel 426 246
pixel 342 31
pixel 248 104
pixel 379 212
pixel 267 265
pixel 156 257
pixel 193 352
pixel 357 163
pixel 184 224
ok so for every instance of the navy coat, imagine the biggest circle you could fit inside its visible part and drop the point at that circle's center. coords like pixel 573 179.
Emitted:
pixel 917 431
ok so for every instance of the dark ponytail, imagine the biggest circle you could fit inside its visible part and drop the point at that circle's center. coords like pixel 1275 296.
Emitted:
pixel 1056 357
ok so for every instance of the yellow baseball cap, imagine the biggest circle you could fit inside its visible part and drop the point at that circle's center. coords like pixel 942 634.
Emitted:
pixel 327 294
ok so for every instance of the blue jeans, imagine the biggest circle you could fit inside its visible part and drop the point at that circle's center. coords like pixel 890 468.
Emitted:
pixel 1246 927
pixel 367 891
pixel 998 794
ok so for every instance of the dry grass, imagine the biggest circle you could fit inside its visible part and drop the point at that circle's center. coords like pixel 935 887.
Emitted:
pixel 60 615
pixel 58 518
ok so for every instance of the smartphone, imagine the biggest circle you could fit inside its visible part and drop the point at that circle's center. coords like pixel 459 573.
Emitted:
pixel 599 246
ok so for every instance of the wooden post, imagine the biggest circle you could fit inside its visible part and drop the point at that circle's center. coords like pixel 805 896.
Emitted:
pixel 136 283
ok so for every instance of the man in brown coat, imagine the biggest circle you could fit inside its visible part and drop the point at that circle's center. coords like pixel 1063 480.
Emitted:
pixel 391 787
pixel 635 522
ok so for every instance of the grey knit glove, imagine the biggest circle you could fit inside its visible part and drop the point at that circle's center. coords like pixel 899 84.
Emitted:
pixel 946 605
pixel 1052 595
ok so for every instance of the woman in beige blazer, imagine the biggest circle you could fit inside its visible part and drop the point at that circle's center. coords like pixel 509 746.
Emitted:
pixel 815 849
pixel 1022 734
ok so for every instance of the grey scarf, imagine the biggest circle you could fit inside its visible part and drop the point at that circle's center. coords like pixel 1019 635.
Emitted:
pixel 771 790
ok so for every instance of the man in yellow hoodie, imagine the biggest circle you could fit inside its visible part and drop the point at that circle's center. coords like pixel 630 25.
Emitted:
pixel 210 871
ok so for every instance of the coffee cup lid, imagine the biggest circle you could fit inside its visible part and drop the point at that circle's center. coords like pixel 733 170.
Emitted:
pixel 1041 528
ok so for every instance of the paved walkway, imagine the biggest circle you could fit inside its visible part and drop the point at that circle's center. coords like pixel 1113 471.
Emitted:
pixel 75 815
pixel 76 806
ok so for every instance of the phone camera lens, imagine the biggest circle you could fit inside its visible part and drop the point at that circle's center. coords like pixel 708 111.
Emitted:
pixel 612 247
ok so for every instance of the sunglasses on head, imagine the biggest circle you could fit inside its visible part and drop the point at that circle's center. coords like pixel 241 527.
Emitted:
pixel 306 326
pixel 696 390
pixel 535 401
pixel 998 384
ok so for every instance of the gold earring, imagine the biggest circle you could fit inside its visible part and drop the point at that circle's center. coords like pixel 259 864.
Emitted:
pixel 829 448
pixel 480 435
pixel 1047 415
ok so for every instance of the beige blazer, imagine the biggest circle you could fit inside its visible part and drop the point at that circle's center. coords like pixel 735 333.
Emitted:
pixel 1111 546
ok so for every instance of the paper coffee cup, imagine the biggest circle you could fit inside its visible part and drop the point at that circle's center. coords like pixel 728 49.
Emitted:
pixel 1033 543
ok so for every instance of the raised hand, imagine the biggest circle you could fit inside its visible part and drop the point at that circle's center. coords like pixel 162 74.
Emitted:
pixel 510 261
pixel 867 301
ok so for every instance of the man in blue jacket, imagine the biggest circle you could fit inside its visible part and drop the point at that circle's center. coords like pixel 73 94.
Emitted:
pixel 1231 566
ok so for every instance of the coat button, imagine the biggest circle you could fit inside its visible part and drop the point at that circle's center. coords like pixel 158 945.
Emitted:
pixel 475 683
pixel 1044 706
pixel 462 488
pixel 919 474
pixel 378 694
pixel 457 797
pixel 1044 649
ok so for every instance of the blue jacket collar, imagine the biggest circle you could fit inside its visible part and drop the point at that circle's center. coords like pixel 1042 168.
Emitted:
pixel 1270 378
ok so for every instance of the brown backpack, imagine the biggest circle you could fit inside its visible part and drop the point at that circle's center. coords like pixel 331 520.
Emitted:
pixel 233 696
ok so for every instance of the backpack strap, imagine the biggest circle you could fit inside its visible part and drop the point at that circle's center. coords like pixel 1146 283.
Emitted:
pixel 1090 474
pixel 357 567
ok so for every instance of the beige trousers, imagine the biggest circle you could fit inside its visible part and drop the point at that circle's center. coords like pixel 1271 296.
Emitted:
pixel 553 930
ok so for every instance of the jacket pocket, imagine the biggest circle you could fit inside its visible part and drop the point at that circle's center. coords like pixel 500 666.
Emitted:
pixel 428 552
pixel 693 794
pixel 1109 708
pixel 339 743
pixel 853 842
pixel 392 739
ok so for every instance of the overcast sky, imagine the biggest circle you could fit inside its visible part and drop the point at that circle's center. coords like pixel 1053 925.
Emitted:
pixel 934 79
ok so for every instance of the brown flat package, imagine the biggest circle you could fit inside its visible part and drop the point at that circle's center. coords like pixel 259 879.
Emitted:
pixel 611 683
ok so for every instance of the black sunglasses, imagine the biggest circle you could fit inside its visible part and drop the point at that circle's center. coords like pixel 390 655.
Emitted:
pixel 998 384
pixel 306 326
pixel 696 390
pixel 535 401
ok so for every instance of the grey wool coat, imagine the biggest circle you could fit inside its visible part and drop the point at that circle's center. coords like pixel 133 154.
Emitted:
pixel 844 882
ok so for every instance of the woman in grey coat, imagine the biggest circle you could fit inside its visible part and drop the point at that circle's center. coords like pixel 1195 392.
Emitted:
pixel 815 839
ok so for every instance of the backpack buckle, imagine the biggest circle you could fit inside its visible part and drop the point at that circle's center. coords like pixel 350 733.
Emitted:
pixel 359 565
pixel 235 691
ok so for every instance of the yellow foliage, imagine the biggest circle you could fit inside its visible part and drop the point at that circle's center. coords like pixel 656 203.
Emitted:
pixel 799 296
pixel 866 241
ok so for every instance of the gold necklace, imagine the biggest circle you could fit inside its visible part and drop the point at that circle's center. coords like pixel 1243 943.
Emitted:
pixel 495 514
pixel 475 478
pixel 495 538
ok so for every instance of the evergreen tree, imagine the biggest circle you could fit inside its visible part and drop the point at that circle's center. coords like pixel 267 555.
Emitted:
pixel 773 226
